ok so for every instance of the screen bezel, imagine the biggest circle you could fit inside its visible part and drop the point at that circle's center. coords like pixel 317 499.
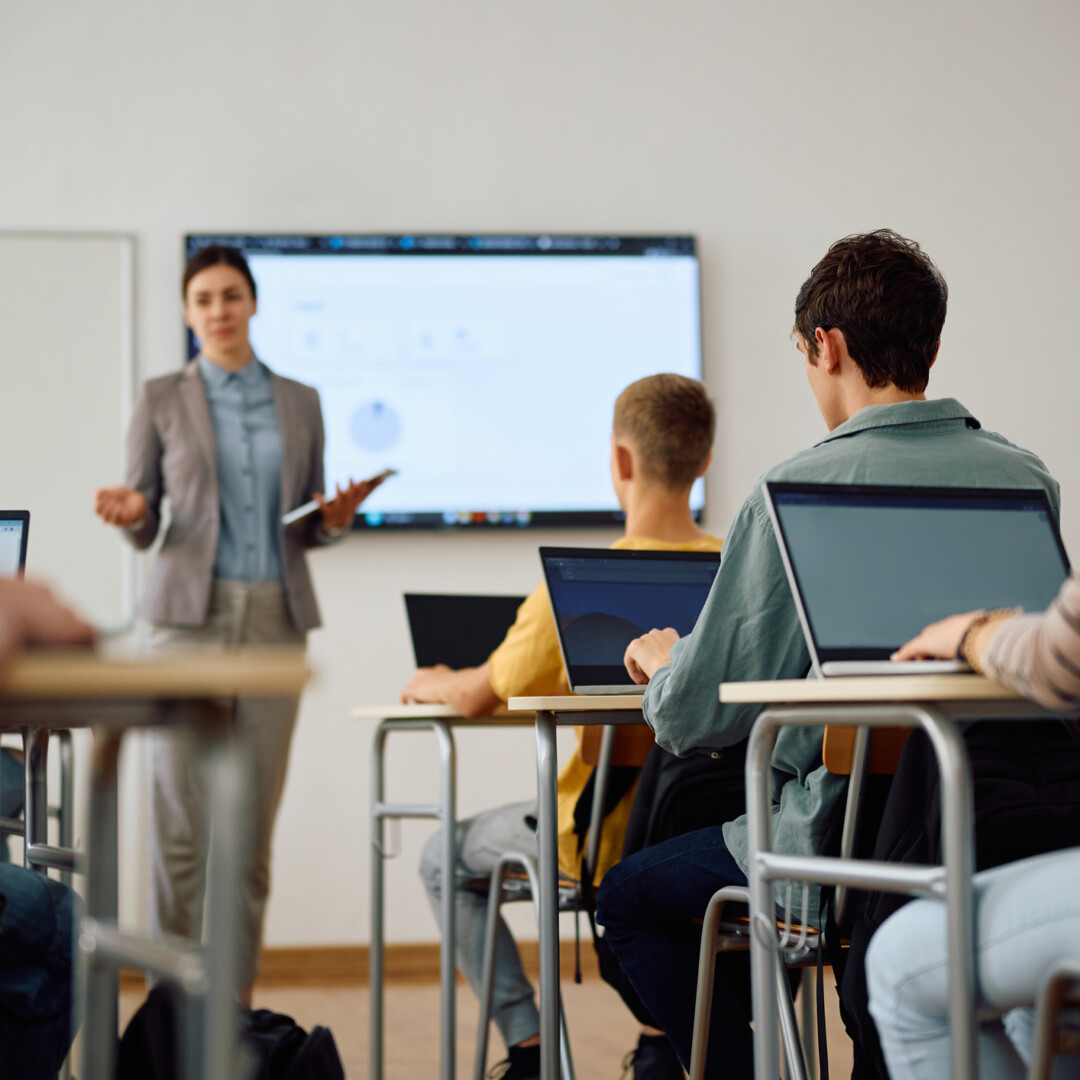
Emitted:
pixel 615 678
pixel 773 488
pixel 24 517
pixel 472 245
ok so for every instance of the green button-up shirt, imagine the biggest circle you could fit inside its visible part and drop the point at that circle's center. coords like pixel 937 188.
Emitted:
pixel 749 628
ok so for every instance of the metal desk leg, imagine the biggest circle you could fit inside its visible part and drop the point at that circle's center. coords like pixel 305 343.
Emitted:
pixel 957 841
pixel 445 811
pixel 99 982
pixel 66 816
pixel 36 813
pixel 378 888
pixel 229 844
pixel 548 900
pixel 447 952
pixel 763 927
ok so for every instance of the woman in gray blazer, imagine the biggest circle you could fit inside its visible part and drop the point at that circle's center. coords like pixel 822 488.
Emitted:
pixel 233 446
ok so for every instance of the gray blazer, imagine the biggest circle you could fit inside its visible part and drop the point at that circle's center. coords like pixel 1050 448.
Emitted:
pixel 171 452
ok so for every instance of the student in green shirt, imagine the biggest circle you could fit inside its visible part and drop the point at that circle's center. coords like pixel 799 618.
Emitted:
pixel 868 323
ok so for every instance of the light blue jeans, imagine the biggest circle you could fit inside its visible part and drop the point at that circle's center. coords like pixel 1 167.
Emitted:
pixel 480 841
pixel 1027 917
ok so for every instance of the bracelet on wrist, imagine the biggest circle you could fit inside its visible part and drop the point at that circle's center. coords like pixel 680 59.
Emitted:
pixel 966 649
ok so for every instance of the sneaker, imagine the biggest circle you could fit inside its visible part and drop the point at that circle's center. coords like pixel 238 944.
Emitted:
pixel 522 1064
pixel 653 1059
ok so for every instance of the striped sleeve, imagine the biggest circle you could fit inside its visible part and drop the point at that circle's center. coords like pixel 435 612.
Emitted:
pixel 1039 655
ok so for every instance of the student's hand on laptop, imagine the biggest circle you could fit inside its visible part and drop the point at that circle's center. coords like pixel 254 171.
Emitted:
pixel 646 655
pixel 120 505
pixel 30 614
pixel 938 641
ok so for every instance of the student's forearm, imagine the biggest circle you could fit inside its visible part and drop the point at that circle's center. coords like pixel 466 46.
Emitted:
pixel 1039 655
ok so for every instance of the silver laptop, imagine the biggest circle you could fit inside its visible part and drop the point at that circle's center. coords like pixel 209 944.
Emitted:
pixel 14 530
pixel 603 599
pixel 871 565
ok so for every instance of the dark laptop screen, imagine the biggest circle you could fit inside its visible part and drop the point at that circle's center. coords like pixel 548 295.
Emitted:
pixel 604 599
pixel 875 565
pixel 14 526
pixel 459 631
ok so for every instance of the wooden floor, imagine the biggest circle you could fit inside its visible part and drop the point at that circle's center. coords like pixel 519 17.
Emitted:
pixel 601 1029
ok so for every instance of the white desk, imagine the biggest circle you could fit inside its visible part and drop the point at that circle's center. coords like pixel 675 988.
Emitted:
pixel 441 720
pixel 47 690
pixel 553 712
pixel 933 703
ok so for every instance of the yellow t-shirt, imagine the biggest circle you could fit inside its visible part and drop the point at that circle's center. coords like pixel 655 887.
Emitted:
pixel 528 663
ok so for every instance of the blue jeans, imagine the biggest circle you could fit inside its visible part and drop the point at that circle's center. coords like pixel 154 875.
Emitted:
pixel 12 783
pixel 647 904
pixel 36 917
pixel 1027 915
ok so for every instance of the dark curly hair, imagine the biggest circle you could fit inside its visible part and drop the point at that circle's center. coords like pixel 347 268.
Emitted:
pixel 886 296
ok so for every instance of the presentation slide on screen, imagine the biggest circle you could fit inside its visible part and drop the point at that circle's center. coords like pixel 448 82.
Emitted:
pixel 487 382
pixel 10 546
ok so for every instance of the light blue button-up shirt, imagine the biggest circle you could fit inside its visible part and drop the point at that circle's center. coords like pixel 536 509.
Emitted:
pixel 245 423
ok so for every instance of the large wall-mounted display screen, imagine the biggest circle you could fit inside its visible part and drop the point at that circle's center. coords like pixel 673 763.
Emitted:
pixel 483 368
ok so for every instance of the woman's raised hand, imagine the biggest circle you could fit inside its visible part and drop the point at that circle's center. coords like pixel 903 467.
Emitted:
pixel 120 505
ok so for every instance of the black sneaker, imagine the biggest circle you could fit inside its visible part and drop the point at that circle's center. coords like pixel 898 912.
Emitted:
pixel 653 1059
pixel 522 1064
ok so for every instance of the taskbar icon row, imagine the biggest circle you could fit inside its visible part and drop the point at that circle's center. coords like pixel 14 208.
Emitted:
pixel 485 519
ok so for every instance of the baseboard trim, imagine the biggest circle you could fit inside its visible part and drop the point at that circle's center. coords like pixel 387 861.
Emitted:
pixel 347 965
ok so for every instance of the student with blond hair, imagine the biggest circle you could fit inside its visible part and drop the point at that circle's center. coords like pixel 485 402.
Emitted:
pixel 661 442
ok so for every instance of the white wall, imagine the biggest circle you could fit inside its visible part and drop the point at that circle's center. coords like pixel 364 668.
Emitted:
pixel 766 128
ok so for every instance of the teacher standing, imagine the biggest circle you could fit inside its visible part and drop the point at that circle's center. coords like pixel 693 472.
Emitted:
pixel 233 446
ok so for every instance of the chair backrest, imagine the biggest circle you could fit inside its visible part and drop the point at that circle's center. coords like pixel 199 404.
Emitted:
pixel 886 745
pixel 838 755
pixel 632 744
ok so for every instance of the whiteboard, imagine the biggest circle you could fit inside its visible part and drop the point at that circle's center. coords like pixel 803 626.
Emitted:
pixel 67 349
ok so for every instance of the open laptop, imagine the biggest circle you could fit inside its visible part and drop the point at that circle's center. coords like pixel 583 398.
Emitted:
pixel 14 529
pixel 603 599
pixel 459 631
pixel 871 565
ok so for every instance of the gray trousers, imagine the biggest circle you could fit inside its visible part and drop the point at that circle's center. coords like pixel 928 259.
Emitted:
pixel 240 613
pixel 480 842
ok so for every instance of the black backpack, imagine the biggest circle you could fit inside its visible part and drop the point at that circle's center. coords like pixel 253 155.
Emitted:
pixel 1026 787
pixel 276 1047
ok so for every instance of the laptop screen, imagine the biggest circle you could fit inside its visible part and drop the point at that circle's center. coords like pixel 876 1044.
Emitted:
pixel 458 630
pixel 874 565
pixel 604 599
pixel 14 526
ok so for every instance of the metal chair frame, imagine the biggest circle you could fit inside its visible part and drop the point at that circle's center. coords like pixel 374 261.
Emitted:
pixel 719 936
pixel 63 812
pixel 1060 986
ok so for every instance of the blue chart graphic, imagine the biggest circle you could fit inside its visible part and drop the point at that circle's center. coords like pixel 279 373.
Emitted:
pixel 375 427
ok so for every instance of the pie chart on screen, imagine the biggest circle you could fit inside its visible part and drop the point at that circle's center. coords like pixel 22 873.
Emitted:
pixel 375 427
